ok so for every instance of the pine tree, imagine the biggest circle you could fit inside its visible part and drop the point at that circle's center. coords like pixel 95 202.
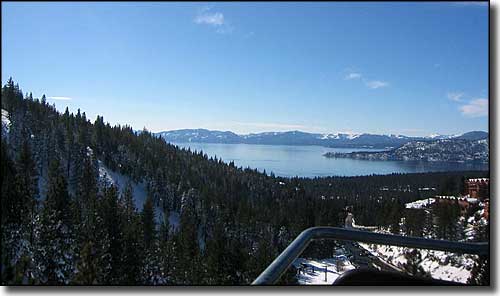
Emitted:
pixel 11 219
pixel 28 184
pixel 188 238
pixel 480 274
pixel 153 272
pixel 55 252
pixel 112 223
pixel 132 247
pixel 395 216
pixel 414 222
pixel 413 263
pixel 148 223
pixel 166 250
pixel 93 260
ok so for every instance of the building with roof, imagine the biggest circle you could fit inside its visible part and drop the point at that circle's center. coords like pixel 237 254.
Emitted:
pixel 478 188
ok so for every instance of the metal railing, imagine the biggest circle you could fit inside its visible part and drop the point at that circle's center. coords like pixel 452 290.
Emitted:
pixel 276 269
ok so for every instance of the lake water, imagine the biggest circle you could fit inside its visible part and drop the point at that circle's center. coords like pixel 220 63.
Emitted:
pixel 308 161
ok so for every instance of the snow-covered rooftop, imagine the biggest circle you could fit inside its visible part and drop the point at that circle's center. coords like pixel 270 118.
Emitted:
pixel 479 180
pixel 419 204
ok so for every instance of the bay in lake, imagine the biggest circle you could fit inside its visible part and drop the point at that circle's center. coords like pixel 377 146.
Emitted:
pixel 308 161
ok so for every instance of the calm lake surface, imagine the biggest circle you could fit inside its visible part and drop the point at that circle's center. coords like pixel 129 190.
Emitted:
pixel 308 161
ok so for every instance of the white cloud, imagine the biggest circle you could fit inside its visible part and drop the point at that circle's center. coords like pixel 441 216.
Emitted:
pixel 356 75
pixel 455 96
pixel 207 18
pixel 213 19
pixel 353 76
pixel 60 98
pixel 374 84
pixel 475 108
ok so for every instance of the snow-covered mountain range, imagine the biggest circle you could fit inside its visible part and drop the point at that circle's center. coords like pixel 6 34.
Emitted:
pixel 349 140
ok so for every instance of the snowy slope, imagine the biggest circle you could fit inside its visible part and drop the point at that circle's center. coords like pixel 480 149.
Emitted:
pixel 440 265
pixel 138 189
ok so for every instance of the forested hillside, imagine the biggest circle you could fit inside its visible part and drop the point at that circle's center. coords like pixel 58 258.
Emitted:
pixel 62 223
pixel 449 150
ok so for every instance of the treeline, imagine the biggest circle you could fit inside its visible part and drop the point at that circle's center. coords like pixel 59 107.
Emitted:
pixel 61 224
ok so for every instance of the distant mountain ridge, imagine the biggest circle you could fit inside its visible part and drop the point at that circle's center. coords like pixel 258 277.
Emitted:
pixel 340 140
pixel 458 149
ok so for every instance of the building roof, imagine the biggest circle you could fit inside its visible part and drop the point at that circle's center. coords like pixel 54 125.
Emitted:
pixel 479 180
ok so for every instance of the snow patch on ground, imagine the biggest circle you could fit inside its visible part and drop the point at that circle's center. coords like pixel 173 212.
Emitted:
pixel 314 273
pixel 138 189
pixel 440 265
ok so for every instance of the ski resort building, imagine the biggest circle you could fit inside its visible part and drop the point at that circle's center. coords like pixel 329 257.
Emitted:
pixel 478 188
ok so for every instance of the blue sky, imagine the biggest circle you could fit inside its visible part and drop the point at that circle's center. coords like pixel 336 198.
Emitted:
pixel 403 68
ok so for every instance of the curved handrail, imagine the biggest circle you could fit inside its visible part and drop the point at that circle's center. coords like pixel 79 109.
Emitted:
pixel 276 269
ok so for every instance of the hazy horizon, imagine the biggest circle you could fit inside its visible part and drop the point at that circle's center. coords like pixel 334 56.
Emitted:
pixel 288 131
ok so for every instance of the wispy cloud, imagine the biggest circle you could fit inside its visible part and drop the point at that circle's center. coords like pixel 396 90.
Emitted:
pixel 353 75
pixel 374 84
pixel 455 96
pixel 214 19
pixel 475 108
pixel 60 98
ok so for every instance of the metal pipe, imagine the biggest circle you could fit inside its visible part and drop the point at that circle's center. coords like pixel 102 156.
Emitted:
pixel 276 269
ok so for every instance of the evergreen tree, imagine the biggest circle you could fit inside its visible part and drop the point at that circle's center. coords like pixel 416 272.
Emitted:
pixel 415 222
pixel 55 252
pixel 93 262
pixel 395 217
pixel 188 238
pixel 27 179
pixel 480 274
pixel 133 247
pixel 14 239
pixel 113 225
pixel 148 223
pixel 167 252
pixel 413 263
pixel 153 271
